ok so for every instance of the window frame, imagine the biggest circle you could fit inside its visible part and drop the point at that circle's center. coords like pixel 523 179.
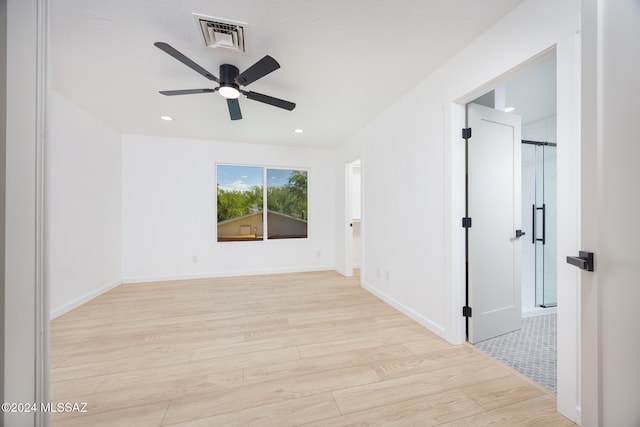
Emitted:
pixel 265 210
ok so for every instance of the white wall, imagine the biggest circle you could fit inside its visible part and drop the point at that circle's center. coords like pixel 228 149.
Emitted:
pixel 356 191
pixel 403 210
pixel 413 164
pixel 611 201
pixel 169 210
pixel 85 247
pixel 408 161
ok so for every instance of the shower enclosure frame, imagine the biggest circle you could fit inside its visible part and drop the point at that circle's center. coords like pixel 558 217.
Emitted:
pixel 545 281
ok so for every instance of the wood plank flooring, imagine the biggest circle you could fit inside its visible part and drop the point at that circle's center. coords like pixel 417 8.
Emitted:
pixel 282 350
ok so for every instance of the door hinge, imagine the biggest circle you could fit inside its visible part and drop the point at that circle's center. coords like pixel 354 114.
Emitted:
pixel 466 222
pixel 466 311
pixel 466 133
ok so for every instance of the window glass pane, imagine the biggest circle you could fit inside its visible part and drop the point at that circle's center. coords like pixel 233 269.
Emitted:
pixel 286 204
pixel 240 203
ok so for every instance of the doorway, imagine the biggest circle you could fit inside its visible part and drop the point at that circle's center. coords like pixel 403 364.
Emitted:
pixel 528 343
pixel 353 247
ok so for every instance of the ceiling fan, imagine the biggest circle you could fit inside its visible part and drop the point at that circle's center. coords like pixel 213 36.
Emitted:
pixel 230 81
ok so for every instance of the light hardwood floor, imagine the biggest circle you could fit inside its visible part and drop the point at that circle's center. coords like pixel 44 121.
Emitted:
pixel 295 349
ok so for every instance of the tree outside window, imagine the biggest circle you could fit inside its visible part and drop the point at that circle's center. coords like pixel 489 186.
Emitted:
pixel 242 195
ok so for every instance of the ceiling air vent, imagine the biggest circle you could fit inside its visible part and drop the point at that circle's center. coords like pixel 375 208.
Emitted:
pixel 221 33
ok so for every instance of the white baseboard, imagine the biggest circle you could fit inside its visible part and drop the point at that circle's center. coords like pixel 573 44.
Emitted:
pixel 83 299
pixel 88 297
pixel 142 279
pixel 433 327
pixel 344 272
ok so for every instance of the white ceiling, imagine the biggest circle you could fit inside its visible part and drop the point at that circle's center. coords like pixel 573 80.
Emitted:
pixel 343 61
pixel 532 92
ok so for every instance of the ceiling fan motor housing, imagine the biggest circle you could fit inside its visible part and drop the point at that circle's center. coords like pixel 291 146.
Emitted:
pixel 228 75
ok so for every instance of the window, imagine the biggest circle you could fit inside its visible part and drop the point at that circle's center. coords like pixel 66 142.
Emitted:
pixel 242 195
pixel 286 203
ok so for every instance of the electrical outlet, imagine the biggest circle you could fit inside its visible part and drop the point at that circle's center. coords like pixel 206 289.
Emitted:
pixel 194 259
pixel 378 272
pixel 318 254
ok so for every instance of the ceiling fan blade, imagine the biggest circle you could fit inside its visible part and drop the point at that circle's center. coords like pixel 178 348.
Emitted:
pixel 270 100
pixel 186 91
pixel 234 109
pixel 186 61
pixel 258 70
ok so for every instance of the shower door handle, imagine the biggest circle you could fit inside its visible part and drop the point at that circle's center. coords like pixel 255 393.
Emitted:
pixel 534 239
pixel 544 224
pixel 533 224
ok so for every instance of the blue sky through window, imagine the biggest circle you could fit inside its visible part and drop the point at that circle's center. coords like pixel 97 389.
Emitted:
pixel 244 178
pixel 278 177
pixel 239 178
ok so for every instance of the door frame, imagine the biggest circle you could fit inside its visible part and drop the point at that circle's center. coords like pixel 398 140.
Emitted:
pixel 348 240
pixel 568 71
pixel 25 302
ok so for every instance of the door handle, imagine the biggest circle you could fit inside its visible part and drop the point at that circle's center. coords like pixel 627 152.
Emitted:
pixel 534 209
pixel 544 224
pixel 519 233
pixel 533 224
pixel 583 261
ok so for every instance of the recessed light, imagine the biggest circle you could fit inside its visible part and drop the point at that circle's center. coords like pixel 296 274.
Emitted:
pixel 166 118
pixel 509 109
pixel 298 130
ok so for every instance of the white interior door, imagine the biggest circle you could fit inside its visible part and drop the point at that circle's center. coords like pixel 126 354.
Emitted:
pixel 610 201
pixel 494 186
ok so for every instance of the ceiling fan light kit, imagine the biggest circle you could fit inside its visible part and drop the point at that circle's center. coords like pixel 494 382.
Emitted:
pixel 230 81
pixel 229 92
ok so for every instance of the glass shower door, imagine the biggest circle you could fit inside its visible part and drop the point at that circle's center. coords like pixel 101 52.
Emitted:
pixel 528 268
pixel 539 219
pixel 544 217
pixel 550 258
